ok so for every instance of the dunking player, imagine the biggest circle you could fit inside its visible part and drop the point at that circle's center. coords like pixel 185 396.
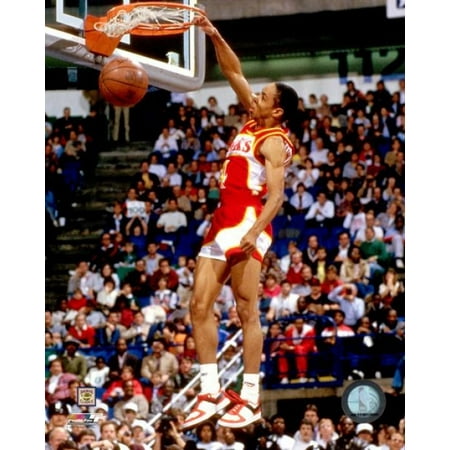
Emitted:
pixel 239 237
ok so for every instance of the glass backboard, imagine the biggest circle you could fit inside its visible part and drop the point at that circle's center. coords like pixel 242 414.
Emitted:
pixel 175 62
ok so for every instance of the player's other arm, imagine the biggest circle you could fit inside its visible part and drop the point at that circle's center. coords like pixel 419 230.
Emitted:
pixel 273 151
pixel 228 61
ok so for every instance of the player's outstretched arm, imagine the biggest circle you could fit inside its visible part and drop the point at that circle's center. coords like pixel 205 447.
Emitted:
pixel 228 61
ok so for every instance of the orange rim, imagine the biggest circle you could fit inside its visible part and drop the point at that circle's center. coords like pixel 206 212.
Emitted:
pixel 163 29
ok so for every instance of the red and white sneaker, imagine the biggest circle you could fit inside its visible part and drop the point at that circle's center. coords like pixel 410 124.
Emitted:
pixel 241 414
pixel 207 406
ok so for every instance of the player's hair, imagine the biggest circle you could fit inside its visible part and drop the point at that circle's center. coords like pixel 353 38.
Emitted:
pixel 287 100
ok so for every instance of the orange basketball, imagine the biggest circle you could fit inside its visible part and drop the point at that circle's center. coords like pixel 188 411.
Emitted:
pixel 123 82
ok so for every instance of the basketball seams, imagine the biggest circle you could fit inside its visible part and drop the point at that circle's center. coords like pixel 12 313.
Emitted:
pixel 122 82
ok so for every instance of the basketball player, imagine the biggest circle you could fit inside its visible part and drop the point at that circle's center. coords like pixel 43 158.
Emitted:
pixel 239 237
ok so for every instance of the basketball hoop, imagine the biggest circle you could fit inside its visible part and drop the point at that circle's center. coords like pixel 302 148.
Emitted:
pixel 102 34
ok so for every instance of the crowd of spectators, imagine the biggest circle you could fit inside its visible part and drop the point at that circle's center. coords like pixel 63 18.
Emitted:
pixel 332 288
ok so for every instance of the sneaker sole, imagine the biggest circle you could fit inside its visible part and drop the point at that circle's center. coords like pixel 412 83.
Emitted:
pixel 205 416
pixel 240 424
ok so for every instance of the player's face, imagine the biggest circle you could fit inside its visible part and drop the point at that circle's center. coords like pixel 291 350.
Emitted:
pixel 265 102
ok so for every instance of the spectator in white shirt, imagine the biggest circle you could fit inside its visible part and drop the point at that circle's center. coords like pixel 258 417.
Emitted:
pixel 173 219
pixel 319 154
pixel 284 304
pixel 321 212
pixel 301 200
pixel 166 145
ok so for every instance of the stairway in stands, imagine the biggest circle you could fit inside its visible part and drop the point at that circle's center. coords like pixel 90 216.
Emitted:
pixel 79 238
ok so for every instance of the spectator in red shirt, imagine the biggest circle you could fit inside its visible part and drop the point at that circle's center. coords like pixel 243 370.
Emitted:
pixel 164 270
pixel 82 331
pixel 77 301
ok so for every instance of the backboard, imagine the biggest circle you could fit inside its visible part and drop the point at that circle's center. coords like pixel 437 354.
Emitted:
pixel 175 63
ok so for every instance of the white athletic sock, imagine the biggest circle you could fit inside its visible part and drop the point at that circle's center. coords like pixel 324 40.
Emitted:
pixel 250 388
pixel 209 379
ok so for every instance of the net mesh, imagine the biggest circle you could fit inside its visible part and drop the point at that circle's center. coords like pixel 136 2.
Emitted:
pixel 146 18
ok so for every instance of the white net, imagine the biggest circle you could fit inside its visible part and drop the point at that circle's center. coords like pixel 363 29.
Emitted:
pixel 146 17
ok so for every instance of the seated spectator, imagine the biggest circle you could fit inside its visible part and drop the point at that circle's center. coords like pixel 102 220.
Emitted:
pixel 126 259
pixel 321 213
pixel 186 373
pixel 174 337
pixel 369 221
pixel 167 271
pixel 171 223
pixel 300 341
pixel 71 401
pixel 286 259
pixel 284 304
pixel 129 396
pixel 319 266
pixel 166 146
pixel 316 301
pixel 82 277
pixel 57 384
pixel 275 368
pixel 73 361
pixel 82 332
pixel 301 200
pixel 138 333
pixel 94 318
pixel 53 322
pixel 353 306
pixel 160 360
pixel 167 395
pixel 126 314
pixel 109 334
pixel 327 434
pixel 310 252
pixel 375 253
pixel 106 253
pixel 106 271
pixel 356 270
pixel 332 279
pixel 294 271
pixel 303 437
pixel 164 297
pixel 391 287
pixel 308 175
pixel 115 391
pixel 140 282
pixel 97 375
pixel 77 301
pixel 340 253
pixel 207 436
pixel 121 358
pixel 271 285
pixel 395 239
pixel 304 288
pixel 106 297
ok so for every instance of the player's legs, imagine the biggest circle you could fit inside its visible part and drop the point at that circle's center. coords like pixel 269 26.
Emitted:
pixel 245 277
pixel 244 282
pixel 210 275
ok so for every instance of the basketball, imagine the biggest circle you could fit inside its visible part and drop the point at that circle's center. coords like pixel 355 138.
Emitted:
pixel 123 82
